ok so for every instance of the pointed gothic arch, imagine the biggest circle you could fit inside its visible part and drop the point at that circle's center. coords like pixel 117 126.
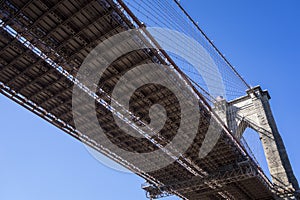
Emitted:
pixel 254 111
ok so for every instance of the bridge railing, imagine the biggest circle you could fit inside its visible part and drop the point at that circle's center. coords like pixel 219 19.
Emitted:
pixel 195 79
pixel 169 14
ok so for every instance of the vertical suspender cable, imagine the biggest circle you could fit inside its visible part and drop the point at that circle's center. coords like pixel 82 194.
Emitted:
pixel 206 37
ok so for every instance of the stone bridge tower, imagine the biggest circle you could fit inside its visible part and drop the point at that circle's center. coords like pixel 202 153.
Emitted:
pixel 254 111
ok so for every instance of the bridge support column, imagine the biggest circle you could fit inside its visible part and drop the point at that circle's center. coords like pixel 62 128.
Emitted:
pixel 254 111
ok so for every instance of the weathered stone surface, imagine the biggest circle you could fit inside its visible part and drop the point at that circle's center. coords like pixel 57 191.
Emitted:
pixel 254 111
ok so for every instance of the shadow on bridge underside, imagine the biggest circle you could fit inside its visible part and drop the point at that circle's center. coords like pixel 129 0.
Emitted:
pixel 43 45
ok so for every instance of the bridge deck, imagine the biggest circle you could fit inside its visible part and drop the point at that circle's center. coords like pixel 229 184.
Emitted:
pixel 66 31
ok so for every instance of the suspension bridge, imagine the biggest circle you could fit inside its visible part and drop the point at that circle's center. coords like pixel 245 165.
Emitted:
pixel 43 46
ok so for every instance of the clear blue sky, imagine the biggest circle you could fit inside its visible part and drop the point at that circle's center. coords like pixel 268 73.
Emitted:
pixel 261 38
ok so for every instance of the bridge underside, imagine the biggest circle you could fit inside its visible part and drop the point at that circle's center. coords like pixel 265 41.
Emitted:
pixel 66 31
